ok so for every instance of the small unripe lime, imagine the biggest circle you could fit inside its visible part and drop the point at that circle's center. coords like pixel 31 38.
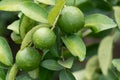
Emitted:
pixel 28 59
pixel 71 19
pixel 44 38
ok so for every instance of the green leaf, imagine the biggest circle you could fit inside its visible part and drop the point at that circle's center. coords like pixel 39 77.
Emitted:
pixel 8 5
pixel 20 14
pixel 117 15
pixel 5 52
pixel 14 26
pixel 3 66
pixel 101 34
pixel 67 64
pixel 103 5
pixel 66 75
pixel 23 77
pixel 11 75
pixel 112 75
pixel 75 45
pixel 91 67
pixel 116 63
pixel 116 35
pixel 52 53
pixel 45 74
pixel 34 74
pixel 105 78
pixel 71 2
pixel 16 38
pixel 79 75
pixel 34 11
pixel 105 54
pixel 75 2
pixel 25 25
pixel 2 74
pixel 86 6
pixel 99 22
pixel 28 37
pixel 51 65
pixel 48 2
pixel 55 12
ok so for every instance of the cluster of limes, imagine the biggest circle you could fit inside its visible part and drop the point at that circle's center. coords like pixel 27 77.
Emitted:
pixel 70 21
pixel 29 58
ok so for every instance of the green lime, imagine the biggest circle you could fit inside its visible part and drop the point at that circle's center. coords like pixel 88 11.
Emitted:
pixel 71 19
pixel 28 59
pixel 44 38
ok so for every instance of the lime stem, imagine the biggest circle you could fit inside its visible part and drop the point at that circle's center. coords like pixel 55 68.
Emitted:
pixel 87 32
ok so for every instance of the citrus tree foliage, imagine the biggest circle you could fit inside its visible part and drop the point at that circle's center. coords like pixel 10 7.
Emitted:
pixel 51 38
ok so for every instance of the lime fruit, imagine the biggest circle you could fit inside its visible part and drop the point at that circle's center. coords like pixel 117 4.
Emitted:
pixel 44 38
pixel 71 19
pixel 28 59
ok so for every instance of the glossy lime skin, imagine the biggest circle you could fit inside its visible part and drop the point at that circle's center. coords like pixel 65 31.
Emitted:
pixel 28 59
pixel 44 38
pixel 71 19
